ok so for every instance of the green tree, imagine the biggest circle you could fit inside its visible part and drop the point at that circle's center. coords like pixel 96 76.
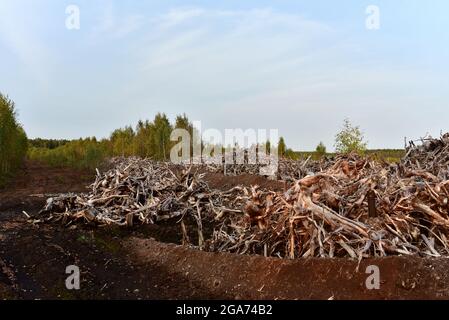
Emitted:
pixel 123 142
pixel 13 140
pixel 350 139
pixel 321 149
pixel 268 147
pixel 282 147
pixel 141 139
pixel 183 122
pixel 161 138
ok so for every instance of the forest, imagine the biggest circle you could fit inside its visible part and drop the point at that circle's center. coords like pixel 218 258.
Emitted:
pixel 13 139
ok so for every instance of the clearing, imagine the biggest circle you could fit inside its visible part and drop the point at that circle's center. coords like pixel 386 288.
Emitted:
pixel 143 263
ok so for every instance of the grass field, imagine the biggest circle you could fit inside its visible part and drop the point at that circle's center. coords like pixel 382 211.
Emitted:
pixel 389 155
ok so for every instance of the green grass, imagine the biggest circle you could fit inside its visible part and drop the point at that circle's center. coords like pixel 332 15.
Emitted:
pixel 388 155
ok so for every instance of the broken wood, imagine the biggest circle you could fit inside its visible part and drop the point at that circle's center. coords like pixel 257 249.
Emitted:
pixel 345 206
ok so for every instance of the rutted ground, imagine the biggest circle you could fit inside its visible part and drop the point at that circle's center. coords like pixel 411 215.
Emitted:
pixel 119 263
pixel 33 258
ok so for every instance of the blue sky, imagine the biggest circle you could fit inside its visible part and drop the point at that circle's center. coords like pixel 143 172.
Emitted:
pixel 299 66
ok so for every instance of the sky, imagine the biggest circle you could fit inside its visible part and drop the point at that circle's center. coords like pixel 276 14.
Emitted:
pixel 298 66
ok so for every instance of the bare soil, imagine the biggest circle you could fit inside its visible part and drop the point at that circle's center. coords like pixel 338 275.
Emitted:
pixel 144 262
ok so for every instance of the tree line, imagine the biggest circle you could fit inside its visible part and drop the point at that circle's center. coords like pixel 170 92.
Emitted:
pixel 148 139
pixel 47 143
pixel 151 139
pixel 13 140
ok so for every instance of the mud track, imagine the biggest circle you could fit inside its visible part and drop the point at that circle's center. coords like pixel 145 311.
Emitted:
pixel 130 264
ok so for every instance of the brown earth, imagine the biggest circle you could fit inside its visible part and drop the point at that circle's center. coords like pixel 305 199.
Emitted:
pixel 255 277
pixel 37 179
pixel 221 182
pixel 118 263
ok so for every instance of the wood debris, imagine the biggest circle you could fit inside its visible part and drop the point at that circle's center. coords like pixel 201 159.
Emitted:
pixel 324 212
pixel 141 190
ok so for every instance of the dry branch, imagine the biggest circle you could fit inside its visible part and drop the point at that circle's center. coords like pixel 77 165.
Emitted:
pixel 323 213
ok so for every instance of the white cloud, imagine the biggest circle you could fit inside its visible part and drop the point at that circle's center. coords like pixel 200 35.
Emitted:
pixel 227 54
pixel 175 50
pixel 115 26
pixel 259 36
pixel 178 16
